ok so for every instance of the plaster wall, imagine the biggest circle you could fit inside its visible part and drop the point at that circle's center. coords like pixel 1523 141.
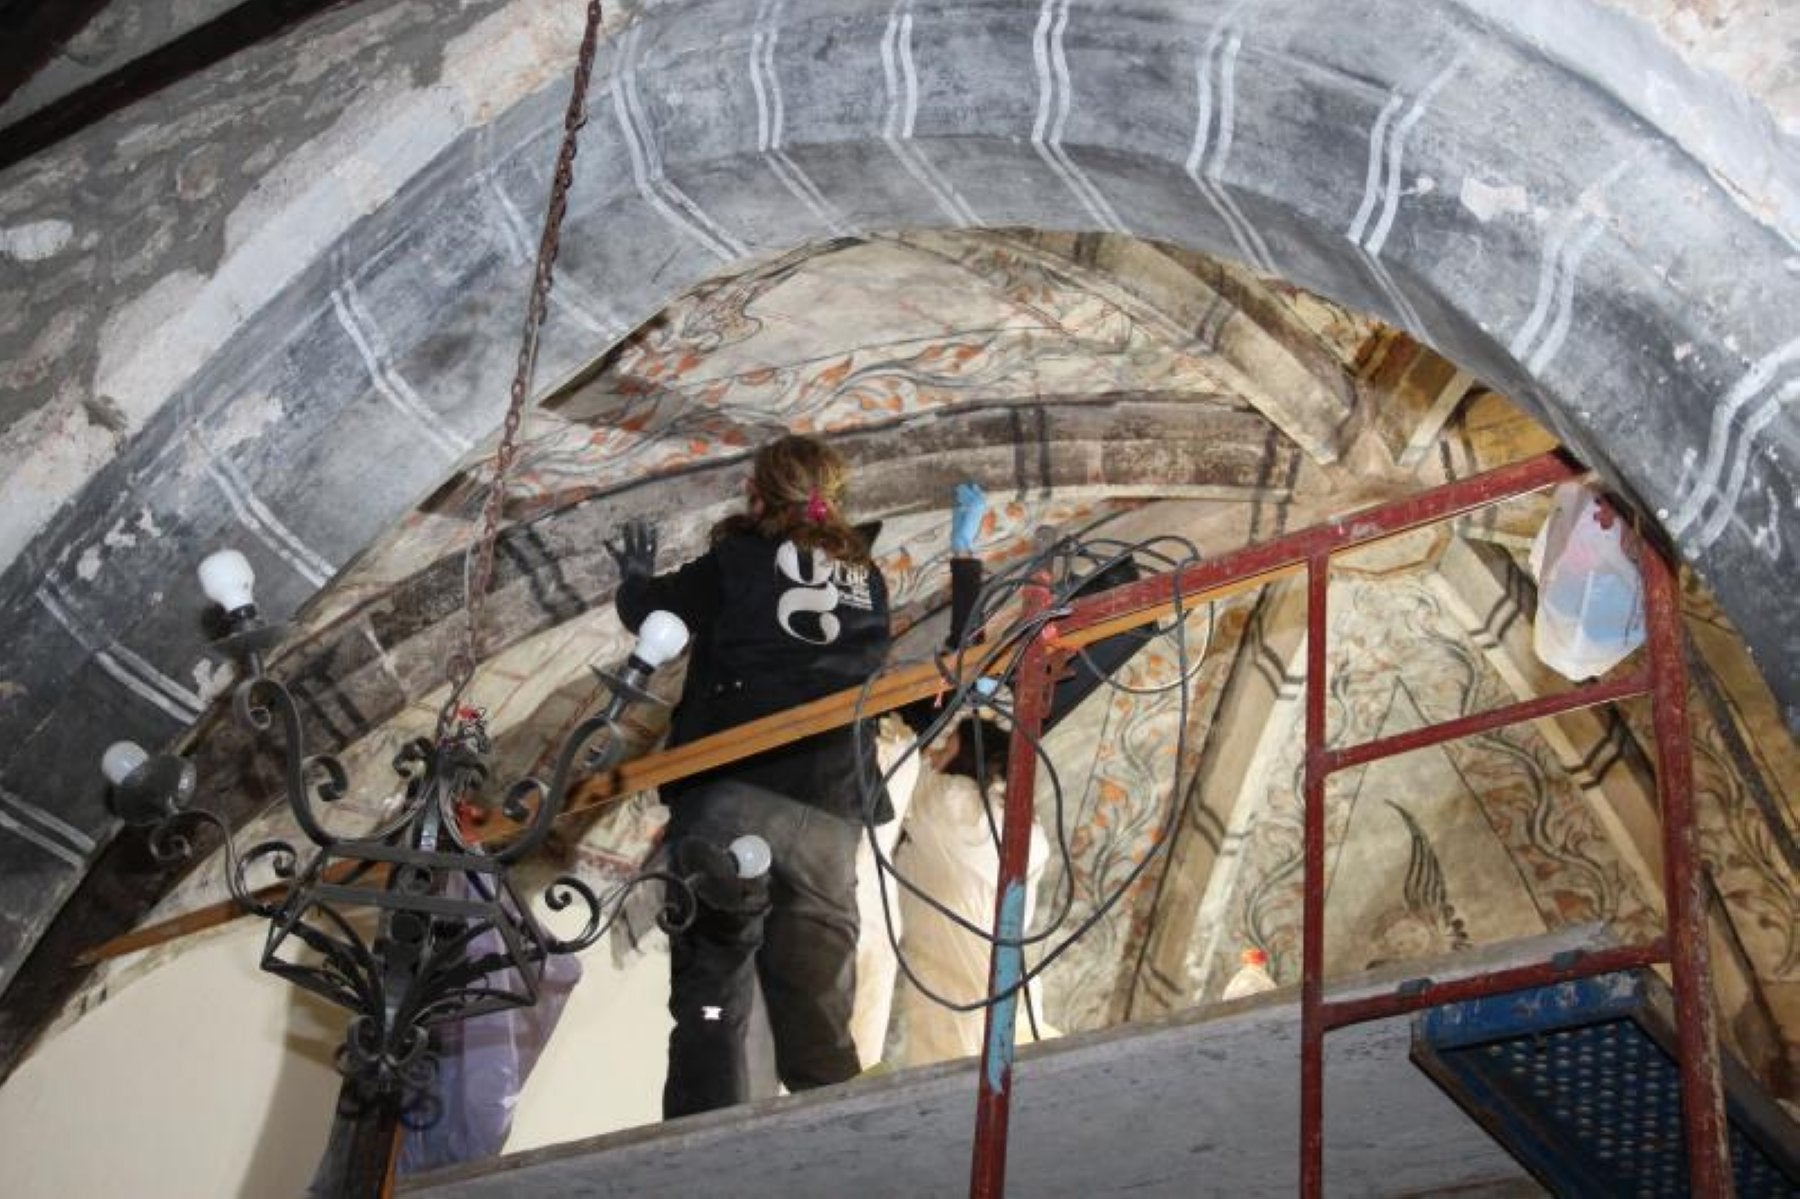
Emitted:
pixel 206 1077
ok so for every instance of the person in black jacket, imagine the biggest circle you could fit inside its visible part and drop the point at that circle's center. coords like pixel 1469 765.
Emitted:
pixel 786 607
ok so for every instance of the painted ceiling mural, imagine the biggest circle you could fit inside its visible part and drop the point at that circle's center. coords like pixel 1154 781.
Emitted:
pixel 1472 843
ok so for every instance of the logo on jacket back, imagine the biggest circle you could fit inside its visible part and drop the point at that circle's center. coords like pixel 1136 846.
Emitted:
pixel 820 584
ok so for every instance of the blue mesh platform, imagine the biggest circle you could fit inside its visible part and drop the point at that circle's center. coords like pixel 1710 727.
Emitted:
pixel 1578 1081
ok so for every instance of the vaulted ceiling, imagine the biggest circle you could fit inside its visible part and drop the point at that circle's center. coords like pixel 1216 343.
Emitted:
pixel 1106 387
pixel 329 293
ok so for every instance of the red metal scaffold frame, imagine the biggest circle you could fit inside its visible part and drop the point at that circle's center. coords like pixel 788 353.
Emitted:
pixel 1664 680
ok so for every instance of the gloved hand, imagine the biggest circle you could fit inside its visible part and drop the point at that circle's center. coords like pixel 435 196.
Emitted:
pixel 965 517
pixel 635 551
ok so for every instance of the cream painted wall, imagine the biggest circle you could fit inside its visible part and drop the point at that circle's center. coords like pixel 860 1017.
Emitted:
pixel 205 1077
pixel 193 1081
pixel 603 1068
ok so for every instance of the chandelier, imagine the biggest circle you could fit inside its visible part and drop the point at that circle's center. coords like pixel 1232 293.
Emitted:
pixel 417 922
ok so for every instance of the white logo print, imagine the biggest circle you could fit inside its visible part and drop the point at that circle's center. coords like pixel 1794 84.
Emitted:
pixel 813 592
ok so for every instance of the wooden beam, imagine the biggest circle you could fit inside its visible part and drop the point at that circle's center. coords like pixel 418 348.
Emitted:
pixel 1415 392
pixel 886 692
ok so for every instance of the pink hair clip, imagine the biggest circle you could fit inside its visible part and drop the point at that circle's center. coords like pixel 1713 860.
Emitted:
pixel 816 510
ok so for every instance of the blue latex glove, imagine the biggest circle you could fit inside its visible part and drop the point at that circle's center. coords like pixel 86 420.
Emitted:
pixel 965 517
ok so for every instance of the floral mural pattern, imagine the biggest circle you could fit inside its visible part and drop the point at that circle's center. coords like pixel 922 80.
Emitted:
pixel 1472 842
pixel 734 363
pixel 1116 757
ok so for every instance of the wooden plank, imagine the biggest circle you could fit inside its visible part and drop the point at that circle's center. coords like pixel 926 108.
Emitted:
pixel 894 689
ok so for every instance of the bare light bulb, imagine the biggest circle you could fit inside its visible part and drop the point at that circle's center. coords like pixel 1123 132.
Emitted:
pixel 228 580
pixel 752 856
pixel 660 637
pixel 121 760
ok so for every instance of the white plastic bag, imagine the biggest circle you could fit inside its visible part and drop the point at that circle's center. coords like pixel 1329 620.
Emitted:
pixel 1590 596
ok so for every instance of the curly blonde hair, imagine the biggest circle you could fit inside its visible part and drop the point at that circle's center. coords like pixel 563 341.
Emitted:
pixel 800 481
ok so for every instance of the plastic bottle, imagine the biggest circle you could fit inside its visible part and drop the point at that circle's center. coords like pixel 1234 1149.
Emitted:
pixel 1252 977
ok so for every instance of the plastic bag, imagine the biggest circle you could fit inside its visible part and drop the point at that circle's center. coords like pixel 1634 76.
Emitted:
pixel 1590 596
pixel 483 1063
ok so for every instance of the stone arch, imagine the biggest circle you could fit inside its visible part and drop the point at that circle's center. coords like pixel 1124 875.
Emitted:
pixel 1433 165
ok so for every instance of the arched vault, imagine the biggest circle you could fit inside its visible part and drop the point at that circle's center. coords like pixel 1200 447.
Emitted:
pixel 1490 187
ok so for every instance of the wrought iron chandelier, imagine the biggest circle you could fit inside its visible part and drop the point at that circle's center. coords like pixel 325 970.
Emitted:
pixel 417 922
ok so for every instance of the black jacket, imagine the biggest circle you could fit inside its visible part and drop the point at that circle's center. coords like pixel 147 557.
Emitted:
pixel 773 627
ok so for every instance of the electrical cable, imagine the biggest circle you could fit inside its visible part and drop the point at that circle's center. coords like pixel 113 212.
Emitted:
pixel 996 593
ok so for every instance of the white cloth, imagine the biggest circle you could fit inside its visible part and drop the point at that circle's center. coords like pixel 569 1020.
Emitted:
pixel 949 853
pixel 875 964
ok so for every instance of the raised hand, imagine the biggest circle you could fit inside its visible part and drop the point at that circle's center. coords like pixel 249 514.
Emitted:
pixel 965 517
pixel 635 550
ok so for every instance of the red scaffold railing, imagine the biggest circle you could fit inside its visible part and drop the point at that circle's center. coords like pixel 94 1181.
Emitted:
pixel 1310 550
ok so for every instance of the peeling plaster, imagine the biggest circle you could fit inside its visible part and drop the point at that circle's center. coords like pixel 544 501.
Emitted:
pixel 1725 91
pixel 152 342
pixel 1489 200
pixel 499 62
pixel 51 453
pixel 244 421
pixel 36 240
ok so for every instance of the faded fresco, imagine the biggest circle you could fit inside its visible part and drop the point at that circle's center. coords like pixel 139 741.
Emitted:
pixel 896 340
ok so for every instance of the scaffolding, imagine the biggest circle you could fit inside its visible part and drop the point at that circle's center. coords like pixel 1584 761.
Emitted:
pixel 1096 617
pixel 1310 551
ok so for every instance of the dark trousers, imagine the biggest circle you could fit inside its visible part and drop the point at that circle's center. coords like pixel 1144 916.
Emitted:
pixel 801 948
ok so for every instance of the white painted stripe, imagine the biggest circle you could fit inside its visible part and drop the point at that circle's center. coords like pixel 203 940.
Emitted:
pixel 1740 461
pixel 402 397
pixel 1549 268
pixel 1704 486
pixel 764 116
pixel 274 524
pixel 1054 102
pixel 890 72
pixel 770 118
pixel 66 619
pixel 131 683
pixel 1409 316
pixel 909 72
pixel 49 821
pixel 383 359
pixel 1397 150
pixel 306 565
pixel 1059 61
pixel 1372 179
pixel 569 294
pixel 646 161
pixel 1554 270
pixel 1203 104
pixel 896 47
pixel 1227 103
pixel 42 842
pixel 1248 239
pixel 111 665
pixel 731 247
pixel 144 670
pixel 1565 296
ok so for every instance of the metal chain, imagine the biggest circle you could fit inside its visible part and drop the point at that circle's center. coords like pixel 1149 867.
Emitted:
pixel 462 664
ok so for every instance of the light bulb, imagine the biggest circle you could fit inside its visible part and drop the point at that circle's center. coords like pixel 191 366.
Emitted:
pixel 752 855
pixel 660 637
pixel 228 580
pixel 121 760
